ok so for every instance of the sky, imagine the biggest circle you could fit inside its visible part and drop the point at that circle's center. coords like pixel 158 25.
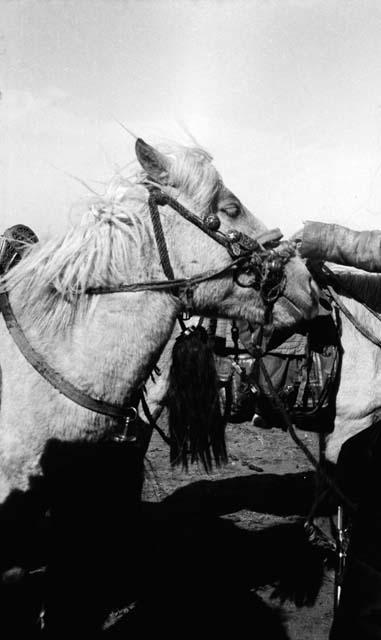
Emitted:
pixel 285 94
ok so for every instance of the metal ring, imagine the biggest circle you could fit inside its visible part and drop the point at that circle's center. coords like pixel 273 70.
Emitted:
pixel 133 416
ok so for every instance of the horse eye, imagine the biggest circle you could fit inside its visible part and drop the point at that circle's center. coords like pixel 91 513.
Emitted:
pixel 232 209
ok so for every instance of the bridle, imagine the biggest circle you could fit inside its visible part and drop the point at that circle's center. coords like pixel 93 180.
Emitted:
pixel 254 257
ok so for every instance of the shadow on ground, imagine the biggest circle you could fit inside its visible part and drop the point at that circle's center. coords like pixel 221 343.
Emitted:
pixel 201 573
pixel 177 567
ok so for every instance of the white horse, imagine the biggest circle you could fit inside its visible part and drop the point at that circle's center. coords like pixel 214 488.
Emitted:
pixel 106 345
pixel 358 399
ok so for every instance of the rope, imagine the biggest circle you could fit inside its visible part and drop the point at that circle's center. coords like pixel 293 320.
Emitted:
pixel 153 424
pixel 159 236
pixel 159 198
pixel 328 273
pixel 165 285
pixel 363 330
pixel 309 455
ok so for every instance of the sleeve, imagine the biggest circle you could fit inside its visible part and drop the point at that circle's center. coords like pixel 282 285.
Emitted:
pixel 334 243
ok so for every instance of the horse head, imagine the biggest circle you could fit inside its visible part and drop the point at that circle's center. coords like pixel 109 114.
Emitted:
pixel 189 176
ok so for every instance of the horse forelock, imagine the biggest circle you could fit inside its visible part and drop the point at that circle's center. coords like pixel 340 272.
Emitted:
pixel 195 176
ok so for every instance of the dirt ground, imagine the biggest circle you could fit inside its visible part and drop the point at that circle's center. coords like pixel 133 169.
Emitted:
pixel 259 493
pixel 209 556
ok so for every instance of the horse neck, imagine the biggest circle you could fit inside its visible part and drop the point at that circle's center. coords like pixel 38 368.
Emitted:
pixel 112 350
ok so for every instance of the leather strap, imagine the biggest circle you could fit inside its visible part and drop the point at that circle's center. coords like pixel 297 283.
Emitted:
pixel 360 327
pixel 51 375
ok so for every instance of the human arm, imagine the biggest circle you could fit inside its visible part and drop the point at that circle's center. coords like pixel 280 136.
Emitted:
pixel 334 243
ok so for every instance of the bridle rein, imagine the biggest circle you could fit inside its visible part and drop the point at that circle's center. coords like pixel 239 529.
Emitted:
pixel 255 257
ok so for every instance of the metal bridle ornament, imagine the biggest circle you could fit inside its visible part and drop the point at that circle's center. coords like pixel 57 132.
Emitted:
pixel 127 435
pixel 266 265
pixel 212 221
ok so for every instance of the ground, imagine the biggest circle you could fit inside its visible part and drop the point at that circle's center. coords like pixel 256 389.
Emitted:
pixel 210 555
pixel 259 461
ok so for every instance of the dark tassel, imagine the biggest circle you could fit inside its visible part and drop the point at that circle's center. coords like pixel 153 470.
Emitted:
pixel 196 424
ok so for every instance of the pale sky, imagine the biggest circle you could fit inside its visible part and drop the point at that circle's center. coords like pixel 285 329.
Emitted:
pixel 285 94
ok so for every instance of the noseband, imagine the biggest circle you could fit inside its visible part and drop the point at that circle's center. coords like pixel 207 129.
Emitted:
pixel 252 257
pixel 264 266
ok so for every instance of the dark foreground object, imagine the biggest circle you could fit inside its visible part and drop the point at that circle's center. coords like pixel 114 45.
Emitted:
pixel 202 571
pixel 359 612
pixel 176 567
pixel 93 494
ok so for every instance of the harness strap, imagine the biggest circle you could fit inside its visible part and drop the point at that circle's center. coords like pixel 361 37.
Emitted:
pixel 166 285
pixel 363 330
pixel 159 236
pixel 323 272
pixel 309 455
pixel 152 422
pixel 303 379
pixel 234 246
pixel 51 375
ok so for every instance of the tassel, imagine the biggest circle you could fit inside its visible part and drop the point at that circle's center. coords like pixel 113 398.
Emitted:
pixel 196 423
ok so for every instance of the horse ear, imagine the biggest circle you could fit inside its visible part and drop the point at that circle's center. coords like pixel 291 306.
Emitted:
pixel 152 161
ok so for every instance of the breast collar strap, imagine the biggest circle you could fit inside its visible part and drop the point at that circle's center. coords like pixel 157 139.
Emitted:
pixel 37 361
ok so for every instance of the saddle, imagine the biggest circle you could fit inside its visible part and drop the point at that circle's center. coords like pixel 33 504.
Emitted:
pixel 303 369
pixel 233 365
pixel 13 244
pixel 304 373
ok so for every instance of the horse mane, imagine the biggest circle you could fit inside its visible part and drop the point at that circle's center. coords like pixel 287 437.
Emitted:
pixel 105 247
